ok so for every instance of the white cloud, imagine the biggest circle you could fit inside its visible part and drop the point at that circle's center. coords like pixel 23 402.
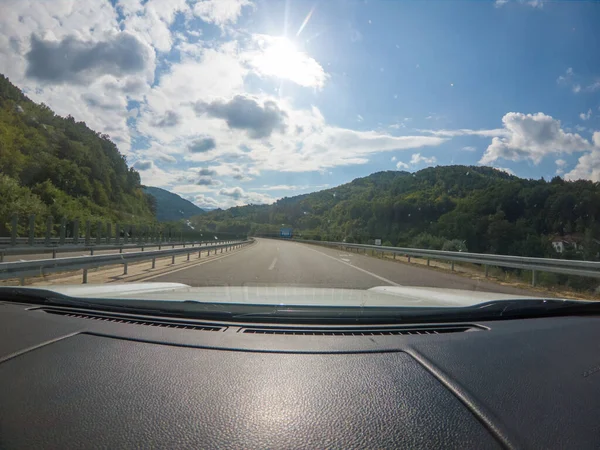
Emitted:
pixel 394 158
pixel 585 116
pixel 166 158
pixel 152 19
pixel 401 165
pixel 359 118
pixel 560 166
pixel 577 82
pixel 206 202
pixel 594 86
pixel 220 12
pixel 505 169
pixel 287 187
pixel 532 3
pixel 531 137
pixel 535 3
pixel 588 165
pixel 418 159
pixel 239 196
pixel 469 148
pixel 465 132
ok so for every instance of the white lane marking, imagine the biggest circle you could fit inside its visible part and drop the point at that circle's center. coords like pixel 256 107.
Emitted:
pixel 344 259
pixel 357 268
pixel 272 266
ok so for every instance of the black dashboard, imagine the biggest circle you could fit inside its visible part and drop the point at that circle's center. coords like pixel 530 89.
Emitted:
pixel 74 378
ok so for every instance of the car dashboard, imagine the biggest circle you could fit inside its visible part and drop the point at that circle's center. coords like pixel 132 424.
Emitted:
pixel 83 378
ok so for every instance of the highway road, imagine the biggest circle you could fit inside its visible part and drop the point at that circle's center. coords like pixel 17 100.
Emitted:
pixel 285 263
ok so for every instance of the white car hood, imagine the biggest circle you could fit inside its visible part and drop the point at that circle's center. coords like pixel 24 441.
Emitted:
pixel 281 295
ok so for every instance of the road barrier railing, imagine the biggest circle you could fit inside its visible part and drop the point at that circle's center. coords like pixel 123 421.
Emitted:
pixel 24 269
pixel 563 266
pixel 38 250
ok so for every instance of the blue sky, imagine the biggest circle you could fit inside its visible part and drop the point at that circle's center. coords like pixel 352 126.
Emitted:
pixel 228 102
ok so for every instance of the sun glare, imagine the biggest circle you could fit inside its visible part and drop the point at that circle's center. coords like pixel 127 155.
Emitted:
pixel 281 58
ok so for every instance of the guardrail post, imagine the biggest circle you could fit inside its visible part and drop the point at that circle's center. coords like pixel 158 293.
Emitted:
pixel 173 259
pixel 85 271
pixel 13 229
pixel 452 266
pixel 487 270
pixel 31 229
pixel 63 231
pixel 199 253
pixel 153 263
pixel 188 258
pixel 48 230
pixel 428 262
pixel 98 233
pixel 533 278
pixel 394 257
pixel 76 232
pixel 124 268
pixel 108 232
pixel 408 258
pixel 88 232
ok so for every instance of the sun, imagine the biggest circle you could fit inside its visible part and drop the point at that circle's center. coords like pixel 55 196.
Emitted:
pixel 280 57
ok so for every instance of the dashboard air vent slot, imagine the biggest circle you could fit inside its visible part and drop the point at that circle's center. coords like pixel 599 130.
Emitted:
pixel 361 331
pixel 132 321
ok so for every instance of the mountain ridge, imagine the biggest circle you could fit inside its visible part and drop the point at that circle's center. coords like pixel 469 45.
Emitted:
pixel 474 208
pixel 170 206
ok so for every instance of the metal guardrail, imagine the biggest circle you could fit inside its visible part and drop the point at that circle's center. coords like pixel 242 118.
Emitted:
pixel 22 269
pixel 563 266
pixel 23 250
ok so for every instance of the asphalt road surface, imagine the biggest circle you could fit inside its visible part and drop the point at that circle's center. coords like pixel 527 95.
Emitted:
pixel 284 263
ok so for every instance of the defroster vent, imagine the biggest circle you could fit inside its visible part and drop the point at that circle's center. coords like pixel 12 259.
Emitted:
pixel 362 331
pixel 131 321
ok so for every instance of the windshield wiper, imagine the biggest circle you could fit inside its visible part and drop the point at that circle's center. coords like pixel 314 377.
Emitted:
pixel 237 312
pixel 50 298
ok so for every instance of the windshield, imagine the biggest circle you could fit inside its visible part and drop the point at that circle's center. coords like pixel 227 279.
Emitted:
pixel 367 154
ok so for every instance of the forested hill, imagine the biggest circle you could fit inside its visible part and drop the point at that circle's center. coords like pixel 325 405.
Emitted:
pixel 478 209
pixel 171 207
pixel 50 165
